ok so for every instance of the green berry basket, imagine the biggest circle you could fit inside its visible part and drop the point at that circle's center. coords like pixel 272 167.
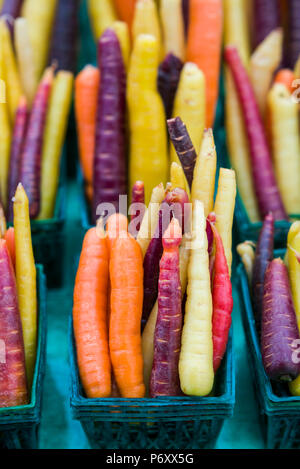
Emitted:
pixel 160 423
pixel 279 410
pixel 19 425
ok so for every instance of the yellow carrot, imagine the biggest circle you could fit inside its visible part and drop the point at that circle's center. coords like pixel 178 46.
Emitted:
pixel 25 59
pixel 224 210
pixel 285 145
pixel 189 104
pixel 122 31
pixel 196 356
pixel 203 186
pixel 236 31
pixel 247 254
pixel 238 149
pixel 149 329
pixel 263 63
pixel 102 15
pixel 11 73
pixel 40 18
pixel 26 279
pixel 54 135
pixel 173 27
pixel 150 218
pixel 146 21
pixel 148 139
pixel 5 141
pixel 178 178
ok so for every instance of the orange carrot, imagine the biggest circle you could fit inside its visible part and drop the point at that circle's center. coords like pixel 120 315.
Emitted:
pixel 90 315
pixel 126 303
pixel 204 47
pixel 125 10
pixel 285 76
pixel 116 224
pixel 86 93
pixel 10 243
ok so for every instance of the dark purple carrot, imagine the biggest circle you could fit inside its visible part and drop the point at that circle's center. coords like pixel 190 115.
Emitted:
pixel 30 166
pixel 137 197
pixel 183 146
pixel 11 8
pixel 167 81
pixel 292 47
pixel 267 192
pixel 173 205
pixel 279 332
pixel 17 144
pixel 65 35
pixel 266 18
pixel 185 13
pixel 13 387
pixel 263 256
pixel 109 177
pixel 164 379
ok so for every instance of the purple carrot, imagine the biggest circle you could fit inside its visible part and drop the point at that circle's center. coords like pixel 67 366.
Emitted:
pixel 263 256
pixel 267 192
pixel 11 8
pixel 183 146
pixel 110 158
pixel 30 166
pixel 137 197
pixel 17 144
pixel 292 47
pixel 167 81
pixel 164 379
pixel 279 334
pixel 185 14
pixel 266 18
pixel 173 205
pixel 65 35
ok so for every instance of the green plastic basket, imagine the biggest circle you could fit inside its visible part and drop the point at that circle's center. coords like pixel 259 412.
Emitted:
pixel 19 425
pixel 160 423
pixel 279 411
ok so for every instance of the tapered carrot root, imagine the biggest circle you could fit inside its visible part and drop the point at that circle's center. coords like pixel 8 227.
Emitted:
pixel 13 388
pixel 164 377
pixel 167 81
pixel 138 207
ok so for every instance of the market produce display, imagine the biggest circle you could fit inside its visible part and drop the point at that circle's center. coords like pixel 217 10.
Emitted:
pixel 262 48
pixel 18 306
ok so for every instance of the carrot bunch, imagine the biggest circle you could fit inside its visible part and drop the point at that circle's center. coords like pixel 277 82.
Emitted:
pixel 18 298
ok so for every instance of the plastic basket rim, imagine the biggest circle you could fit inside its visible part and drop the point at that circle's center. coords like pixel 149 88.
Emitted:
pixel 41 279
pixel 226 400
pixel 269 394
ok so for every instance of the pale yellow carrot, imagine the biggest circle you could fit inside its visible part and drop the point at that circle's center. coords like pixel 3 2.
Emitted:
pixel 236 30
pixel 122 31
pixel 247 254
pixel 173 27
pixel 178 178
pixel 146 21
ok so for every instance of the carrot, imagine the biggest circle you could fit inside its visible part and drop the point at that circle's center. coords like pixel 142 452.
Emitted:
pixel 125 10
pixel 40 18
pixel 236 27
pixel 266 18
pixel 122 32
pixel 5 144
pixel 13 388
pixel 86 92
pixel 167 81
pixel 173 27
pixel 25 59
pixel 53 140
pixel 293 37
pixel 137 208
pixel 164 376
pixel 126 302
pixel 90 315
pixel 17 144
pixel 285 76
pixel 146 21
pixel 11 245
pixel 222 301
pixel 116 224
pixel 26 279
pixel 185 5
pixel 102 15
pixel 110 176
pixel 11 8
pixel 3 225
pixel 267 192
pixel 196 356
pixel 177 176
pixel 246 252
pixel 204 47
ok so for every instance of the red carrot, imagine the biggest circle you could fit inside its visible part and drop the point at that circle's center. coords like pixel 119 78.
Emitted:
pixel 267 192
pixel 167 337
pixel 20 128
pixel 263 256
pixel 30 166
pixel 110 161
pixel 222 301
pixel 137 197
pixel 279 333
pixel 11 246
pixel 13 387
pixel 167 81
